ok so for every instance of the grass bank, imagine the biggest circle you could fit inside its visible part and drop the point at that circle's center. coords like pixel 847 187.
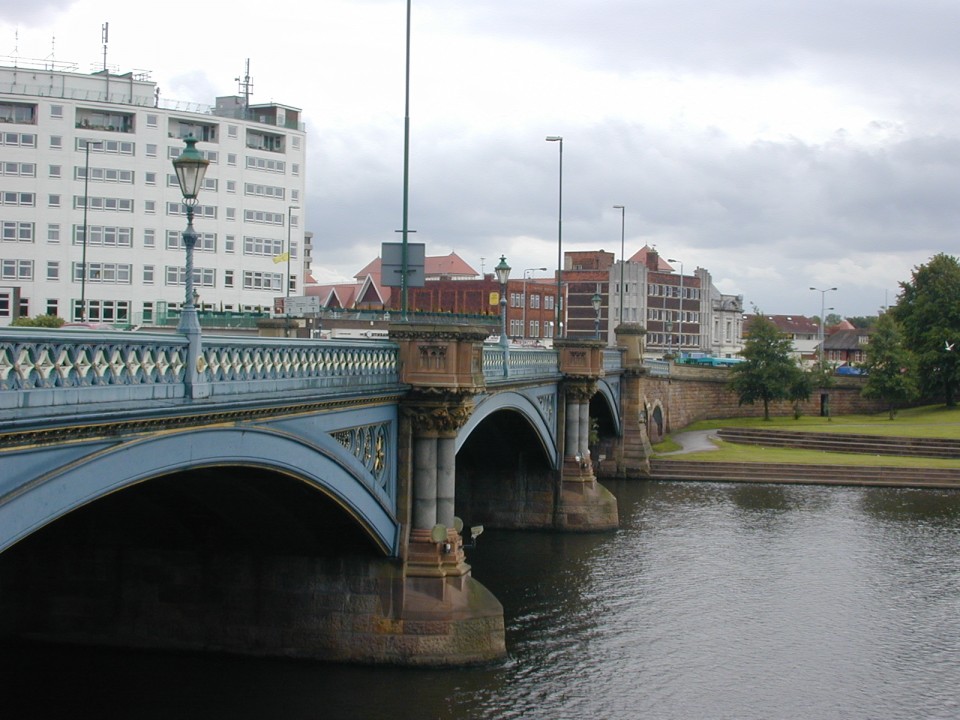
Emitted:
pixel 932 421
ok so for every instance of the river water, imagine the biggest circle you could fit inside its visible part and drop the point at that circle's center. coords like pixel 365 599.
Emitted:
pixel 711 601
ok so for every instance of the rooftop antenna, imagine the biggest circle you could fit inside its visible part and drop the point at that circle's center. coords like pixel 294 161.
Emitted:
pixel 105 37
pixel 16 45
pixel 245 85
pixel 53 52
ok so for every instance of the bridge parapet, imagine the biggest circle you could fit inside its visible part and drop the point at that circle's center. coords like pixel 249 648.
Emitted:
pixel 42 368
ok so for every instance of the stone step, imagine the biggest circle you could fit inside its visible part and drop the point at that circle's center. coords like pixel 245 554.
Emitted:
pixel 661 469
pixel 845 442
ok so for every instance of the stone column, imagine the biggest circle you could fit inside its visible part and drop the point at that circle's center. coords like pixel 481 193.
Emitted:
pixel 446 479
pixel 424 482
pixel 572 430
pixel 435 421
pixel 584 440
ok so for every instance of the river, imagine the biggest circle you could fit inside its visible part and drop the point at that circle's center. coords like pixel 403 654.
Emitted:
pixel 711 601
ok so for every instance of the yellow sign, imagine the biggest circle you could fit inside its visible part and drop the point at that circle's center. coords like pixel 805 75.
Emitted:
pixel 494 298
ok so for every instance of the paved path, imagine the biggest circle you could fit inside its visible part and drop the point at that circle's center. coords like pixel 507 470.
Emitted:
pixel 693 441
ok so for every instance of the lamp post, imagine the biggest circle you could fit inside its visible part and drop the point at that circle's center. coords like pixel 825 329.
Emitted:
pixel 523 330
pixel 596 301
pixel 559 328
pixel 623 213
pixel 503 274
pixel 680 319
pixel 190 166
pixel 290 210
pixel 86 203
pixel 823 302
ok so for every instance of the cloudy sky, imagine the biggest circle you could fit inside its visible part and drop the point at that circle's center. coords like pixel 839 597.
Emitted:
pixel 780 145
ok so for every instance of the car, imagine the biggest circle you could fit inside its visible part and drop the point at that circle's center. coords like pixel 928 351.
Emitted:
pixel 88 326
pixel 849 370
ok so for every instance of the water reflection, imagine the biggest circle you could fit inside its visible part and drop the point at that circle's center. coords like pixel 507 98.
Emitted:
pixel 711 601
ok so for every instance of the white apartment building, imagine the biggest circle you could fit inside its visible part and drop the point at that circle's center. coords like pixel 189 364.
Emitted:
pixel 91 215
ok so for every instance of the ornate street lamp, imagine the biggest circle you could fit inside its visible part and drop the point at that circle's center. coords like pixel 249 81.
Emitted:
pixel 503 274
pixel 190 166
pixel 596 301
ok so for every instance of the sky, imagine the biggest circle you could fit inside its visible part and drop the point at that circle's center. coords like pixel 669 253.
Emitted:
pixel 780 145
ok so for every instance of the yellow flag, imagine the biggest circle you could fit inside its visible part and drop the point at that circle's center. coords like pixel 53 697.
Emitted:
pixel 281 258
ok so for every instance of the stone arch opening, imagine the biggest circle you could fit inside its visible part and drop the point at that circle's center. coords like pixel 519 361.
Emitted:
pixel 504 478
pixel 214 558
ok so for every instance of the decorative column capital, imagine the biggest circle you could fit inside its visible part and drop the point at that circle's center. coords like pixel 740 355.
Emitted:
pixel 579 390
pixel 438 413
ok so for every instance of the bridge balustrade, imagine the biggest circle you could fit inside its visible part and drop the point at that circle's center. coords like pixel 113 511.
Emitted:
pixel 42 368
pixel 520 363
pixel 657 368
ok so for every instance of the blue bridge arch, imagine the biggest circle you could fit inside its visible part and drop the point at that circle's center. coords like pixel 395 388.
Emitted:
pixel 64 479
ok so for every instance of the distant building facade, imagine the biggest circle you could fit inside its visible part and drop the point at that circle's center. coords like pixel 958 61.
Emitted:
pixel 91 217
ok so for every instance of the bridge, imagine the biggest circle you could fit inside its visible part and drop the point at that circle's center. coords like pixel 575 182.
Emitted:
pixel 298 498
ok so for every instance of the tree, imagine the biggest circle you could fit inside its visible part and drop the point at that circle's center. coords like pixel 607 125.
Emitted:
pixel 862 322
pixel 889 366
pixel 768 371
pixel 928 311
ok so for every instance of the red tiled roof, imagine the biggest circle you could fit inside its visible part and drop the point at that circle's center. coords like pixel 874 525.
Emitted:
pixel 641 257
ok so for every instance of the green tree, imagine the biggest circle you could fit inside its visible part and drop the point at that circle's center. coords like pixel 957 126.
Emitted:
pixel 862 322
pixel 768 371
pixel 47 321
pixel 928 311
pixel 889 366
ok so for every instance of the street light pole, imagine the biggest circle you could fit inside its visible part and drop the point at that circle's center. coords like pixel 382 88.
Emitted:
pixel 623 212
pixel 190 166
pixel 503 275
pixel 680 319
pixel 596 301
pixel 86 204
pixel 523 330
pixel 558 331
pixel 290 210
pixel 823 303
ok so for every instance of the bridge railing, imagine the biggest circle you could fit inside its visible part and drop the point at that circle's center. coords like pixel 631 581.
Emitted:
pixel 657 368
pixel 501 365
pixel 42 368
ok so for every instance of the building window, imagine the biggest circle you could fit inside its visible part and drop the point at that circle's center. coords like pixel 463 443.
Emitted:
pixel 203 277
pixel 18 169
pixel 53 201
pixel 53 270
pixel 54 171
pixel 104 236
pixel 16 270
pixel 206 242
pixel 106 273
pixel 11 231
pixel 24 199
pixel 56 142
pixel 151 150
pixel 148 274
pixel 548 302
pixel 56 111
pixel 151 120
pixel 150 207
pixel 262 247
pixel 150 178
pixel 254 280
pixel 13 112
pixel 231 213
pixel 53 307
pixel 103 311
pixel 53 233
pixel 228 278
pixel 535 302
pixel 516 328
pixel 230 243
pixel 232 159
